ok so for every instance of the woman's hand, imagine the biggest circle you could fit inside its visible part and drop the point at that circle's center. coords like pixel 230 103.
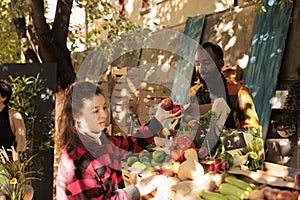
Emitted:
pixel 150 183
pixel 161 115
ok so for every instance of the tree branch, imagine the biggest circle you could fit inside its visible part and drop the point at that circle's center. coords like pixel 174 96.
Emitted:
pixel 40 34
pixel 36 12
pixel 50 48
pixel 29 53
pixel 61 22
pixel 20 27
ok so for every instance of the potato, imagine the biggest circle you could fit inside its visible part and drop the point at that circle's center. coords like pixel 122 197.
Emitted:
pixel 272 194
pixel 286 195
pixel 256 194
pixel 266 190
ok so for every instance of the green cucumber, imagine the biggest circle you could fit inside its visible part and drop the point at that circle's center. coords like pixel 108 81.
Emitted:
pixel 232 190
pixel 239 183
pixel 211 195
pixel 231 197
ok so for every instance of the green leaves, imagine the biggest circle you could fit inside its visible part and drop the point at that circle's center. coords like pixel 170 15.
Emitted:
pixel 207 119
pixel 254 151
pixel 9 41
pixel 15 175
pixel 25 91
pixel 28 91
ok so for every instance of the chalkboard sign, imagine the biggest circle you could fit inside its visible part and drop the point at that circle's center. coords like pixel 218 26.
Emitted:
pixel 232 142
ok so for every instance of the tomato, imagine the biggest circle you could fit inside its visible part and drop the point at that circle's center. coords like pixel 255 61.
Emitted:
pixel 178 147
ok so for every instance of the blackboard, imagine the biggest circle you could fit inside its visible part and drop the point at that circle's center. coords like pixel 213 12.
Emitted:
pixel 232 142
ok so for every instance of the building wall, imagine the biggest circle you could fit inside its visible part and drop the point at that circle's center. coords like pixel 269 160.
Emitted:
pixel 223 17
pixel 169 13
pixel 231 27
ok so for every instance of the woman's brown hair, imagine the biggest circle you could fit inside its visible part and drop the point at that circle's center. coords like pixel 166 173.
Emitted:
pixel 74 96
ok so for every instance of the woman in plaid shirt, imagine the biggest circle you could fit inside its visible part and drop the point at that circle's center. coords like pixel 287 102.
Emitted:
pixel 90 166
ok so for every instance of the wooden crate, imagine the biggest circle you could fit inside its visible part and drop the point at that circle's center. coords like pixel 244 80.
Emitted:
pixel 152 90
pixel 150 95
pixel 117 74
pixel 118 71
pixel 121 113
pixel 121 123
pixel 142 100
pixel 129 178
pixel 146 108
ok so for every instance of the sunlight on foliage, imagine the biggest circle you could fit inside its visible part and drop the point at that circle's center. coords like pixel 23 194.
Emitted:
pixel 103 23
pixel 105 28
pixel 9 42
pixel 107 23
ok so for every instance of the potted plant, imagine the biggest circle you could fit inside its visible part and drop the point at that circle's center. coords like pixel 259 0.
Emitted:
pixel 16 176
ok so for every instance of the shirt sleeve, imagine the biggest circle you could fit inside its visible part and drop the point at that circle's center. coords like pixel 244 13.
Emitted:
pixel 142 138
pixel 246 104
pixel 132 192
pixel 18 128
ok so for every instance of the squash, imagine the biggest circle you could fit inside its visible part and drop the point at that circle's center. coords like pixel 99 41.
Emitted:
pixel 190 170
pixel 191 154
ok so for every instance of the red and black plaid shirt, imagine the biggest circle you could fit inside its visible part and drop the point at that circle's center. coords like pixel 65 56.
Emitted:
pixel 93 171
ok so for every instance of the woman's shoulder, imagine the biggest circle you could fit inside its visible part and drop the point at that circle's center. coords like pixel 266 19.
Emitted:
pixel 14 114
pixel 13 110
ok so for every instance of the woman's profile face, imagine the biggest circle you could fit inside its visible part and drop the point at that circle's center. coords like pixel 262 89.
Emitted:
pixel 94 114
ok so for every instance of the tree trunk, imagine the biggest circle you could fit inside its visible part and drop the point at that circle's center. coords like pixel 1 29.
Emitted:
pixel 40 44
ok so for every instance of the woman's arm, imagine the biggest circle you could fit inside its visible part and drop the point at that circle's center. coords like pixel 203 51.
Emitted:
pixel 18 128
pixel 141 139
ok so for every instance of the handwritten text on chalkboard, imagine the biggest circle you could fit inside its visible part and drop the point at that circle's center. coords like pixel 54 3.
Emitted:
pixel 232 142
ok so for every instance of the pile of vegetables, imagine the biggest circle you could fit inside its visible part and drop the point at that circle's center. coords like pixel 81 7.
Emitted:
pixel 197 127
pixel 190 169
pixel 207 119
pixel 231 189
pixel 252 156
pixel 217 166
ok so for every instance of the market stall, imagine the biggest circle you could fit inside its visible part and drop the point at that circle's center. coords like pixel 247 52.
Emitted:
pixel 233 166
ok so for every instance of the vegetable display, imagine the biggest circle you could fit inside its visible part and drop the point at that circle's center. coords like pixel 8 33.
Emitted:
pixel 192 171
pixel 252 156
pixel 179 145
